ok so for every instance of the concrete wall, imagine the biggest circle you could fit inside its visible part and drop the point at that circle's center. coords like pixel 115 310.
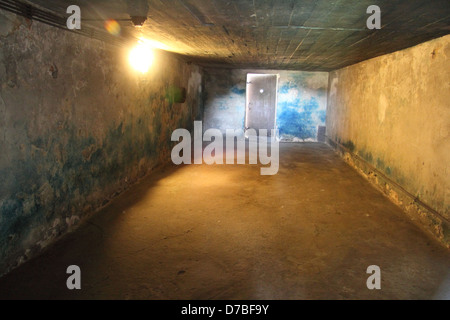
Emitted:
pixel 301 106
pixel 77 127
pixel 393 112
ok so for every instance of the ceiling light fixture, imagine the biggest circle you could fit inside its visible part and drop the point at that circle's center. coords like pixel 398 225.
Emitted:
pixel 138 10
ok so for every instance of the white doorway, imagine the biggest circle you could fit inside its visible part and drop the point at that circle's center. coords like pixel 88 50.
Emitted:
pixel 261 101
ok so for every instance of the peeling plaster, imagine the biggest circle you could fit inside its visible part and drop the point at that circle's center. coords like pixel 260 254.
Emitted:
pixel 393 111
pixel 77 127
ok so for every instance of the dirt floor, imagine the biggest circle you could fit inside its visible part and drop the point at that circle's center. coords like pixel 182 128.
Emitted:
pixel 226 232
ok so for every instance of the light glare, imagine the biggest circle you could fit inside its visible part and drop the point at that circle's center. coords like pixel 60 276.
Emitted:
pixel 141 57
pixel 112 26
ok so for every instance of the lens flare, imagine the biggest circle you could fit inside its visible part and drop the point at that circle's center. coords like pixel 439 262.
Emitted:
pixel 112 26
pixel 141 57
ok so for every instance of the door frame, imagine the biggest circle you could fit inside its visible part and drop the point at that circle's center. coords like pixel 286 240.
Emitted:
pixel 248 82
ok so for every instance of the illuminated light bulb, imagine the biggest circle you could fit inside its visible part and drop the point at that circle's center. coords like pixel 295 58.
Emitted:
pixel 141 57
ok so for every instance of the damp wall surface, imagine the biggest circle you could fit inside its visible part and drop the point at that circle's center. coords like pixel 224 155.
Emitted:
pixel 77 127
pixel 393 113
pixel 301 101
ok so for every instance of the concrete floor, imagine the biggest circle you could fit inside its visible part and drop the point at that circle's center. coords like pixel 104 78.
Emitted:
pixel 226 232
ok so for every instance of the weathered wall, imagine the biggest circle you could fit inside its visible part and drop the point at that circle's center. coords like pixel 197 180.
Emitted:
pixel 394 112
pixel 77 126
pixel 301 103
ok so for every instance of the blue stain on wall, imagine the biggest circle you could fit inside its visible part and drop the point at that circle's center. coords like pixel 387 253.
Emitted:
pixel 299 113
pixel 322 116
pixel 236 90
pixel 301 105
pixel 223 106
pixel 299 118
pixel 284 89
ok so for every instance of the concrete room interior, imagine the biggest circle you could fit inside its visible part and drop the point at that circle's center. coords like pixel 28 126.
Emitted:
pixel 87 179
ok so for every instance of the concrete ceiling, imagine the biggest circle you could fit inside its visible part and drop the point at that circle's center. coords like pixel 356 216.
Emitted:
pixel 315 35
